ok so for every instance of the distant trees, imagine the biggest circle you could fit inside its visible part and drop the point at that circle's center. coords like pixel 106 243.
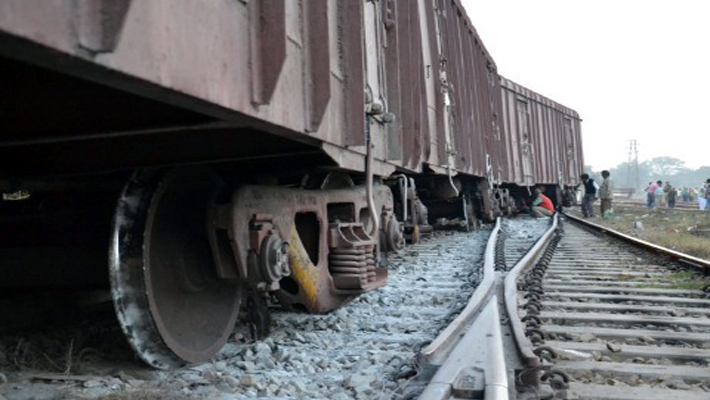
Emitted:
pixel 697 177
pixel 666 166
pixel 659 168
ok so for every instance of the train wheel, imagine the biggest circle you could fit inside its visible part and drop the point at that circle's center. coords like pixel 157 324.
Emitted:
pixel 170 303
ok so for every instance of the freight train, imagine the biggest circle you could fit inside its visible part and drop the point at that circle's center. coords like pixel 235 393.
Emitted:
pixel 199 158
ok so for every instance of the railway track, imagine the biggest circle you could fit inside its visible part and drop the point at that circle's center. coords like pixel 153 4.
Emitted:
pixel 518 236
pixel 621 327
pixel 459 319
pixel 682 206
pixel 476 356
pixel 584 316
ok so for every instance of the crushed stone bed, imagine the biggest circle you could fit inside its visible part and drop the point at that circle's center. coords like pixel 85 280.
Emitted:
pixel 363 350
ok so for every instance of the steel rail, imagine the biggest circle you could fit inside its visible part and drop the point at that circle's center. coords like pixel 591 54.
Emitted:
pixel 476 368
pixel 470 348
pixel 523 344
pixel 453 332
pixel 676 255
pixel 470 351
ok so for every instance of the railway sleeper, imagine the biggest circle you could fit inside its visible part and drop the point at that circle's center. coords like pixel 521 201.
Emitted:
pixel 633 374
pixel 649 353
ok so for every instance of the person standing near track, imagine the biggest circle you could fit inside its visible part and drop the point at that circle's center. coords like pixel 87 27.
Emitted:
pixel 660 201
pixel 701 197
pixel 651 195
pixel 670 192
pixel 590 194
pixel 606 193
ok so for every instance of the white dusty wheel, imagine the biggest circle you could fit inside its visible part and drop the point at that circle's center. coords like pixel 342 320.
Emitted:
pixel 170 303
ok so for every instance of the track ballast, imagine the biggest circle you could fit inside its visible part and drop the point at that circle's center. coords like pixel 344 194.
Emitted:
pixel 366 349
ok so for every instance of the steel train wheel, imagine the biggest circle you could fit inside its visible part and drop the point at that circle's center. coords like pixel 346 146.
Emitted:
pixel 170 303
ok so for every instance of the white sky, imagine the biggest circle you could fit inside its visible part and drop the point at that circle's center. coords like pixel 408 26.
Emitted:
pixel 633 69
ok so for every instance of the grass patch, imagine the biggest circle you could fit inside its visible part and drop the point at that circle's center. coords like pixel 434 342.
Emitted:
pixel 687 279
pixel 684 242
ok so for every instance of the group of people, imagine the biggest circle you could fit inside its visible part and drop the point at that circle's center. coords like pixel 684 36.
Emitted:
pixel 592 191
pixel 691 195
pixel 699 195
pixel 542 206
pixel 658 194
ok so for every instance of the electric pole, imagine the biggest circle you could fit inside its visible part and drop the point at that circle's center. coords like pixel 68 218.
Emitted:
pixel 633 163
pixel 629 165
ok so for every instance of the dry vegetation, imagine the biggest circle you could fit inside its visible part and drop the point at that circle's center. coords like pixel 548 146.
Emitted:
pixel 688 279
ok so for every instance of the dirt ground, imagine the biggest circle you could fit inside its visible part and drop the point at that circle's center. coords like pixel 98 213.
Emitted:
pixel 685 231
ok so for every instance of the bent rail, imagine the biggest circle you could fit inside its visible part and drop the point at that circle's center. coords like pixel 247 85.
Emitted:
pixel 525 348
pixel 470 351
pixel 449 336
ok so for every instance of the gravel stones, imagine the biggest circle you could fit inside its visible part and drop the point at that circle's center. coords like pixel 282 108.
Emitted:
pixel 573 355
pixel 614 348
pixel 677 312
pixel 231 381
pixel 587 337
pixel 220 365
pixel 364 350
pixel 678 384
pixel 248 381
pixel 647 339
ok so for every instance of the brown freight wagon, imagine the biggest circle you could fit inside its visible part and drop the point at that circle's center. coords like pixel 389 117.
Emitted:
pixel 544 140
pixel 207 153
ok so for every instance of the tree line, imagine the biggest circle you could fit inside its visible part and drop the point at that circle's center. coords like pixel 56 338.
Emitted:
pixel 666 169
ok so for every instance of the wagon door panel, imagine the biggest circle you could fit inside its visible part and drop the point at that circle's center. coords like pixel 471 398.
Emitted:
pixel 525 141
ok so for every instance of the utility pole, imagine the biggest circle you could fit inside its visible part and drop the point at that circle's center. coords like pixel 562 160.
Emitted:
pixel 633 163
pixel 629 165
pixel 636 164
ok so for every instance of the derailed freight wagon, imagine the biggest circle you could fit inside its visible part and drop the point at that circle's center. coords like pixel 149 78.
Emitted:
pixel 544 142
pixel 195 157
pixel 449 96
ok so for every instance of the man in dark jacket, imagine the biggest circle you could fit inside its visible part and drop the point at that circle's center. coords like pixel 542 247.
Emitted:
pixel 590 194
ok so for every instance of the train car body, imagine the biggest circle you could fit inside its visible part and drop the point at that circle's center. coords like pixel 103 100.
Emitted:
pixel 213 153
pixel 143 74
pixel 544 138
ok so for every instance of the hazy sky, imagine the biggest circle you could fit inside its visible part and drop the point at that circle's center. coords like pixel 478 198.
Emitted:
pixel 633 69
